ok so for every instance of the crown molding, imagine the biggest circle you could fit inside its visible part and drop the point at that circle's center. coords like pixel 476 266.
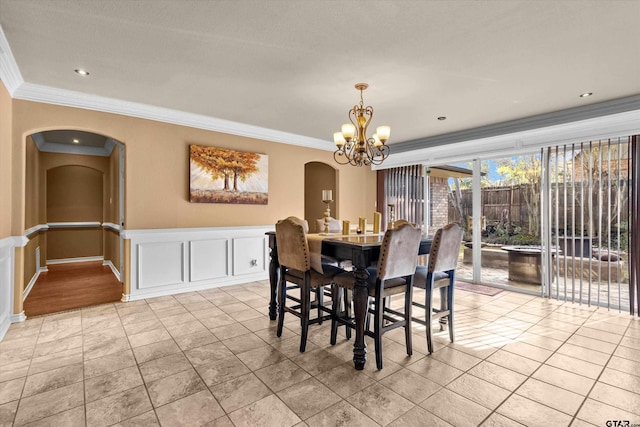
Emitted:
pixel 50 95
pixel 83 150
pixel 612 126
pixel 531 123
pixel 19 89
pixel 9 71
pixel 554 127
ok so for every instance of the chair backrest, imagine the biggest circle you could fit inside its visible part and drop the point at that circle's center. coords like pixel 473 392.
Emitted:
pixel 399 252
pixel 397 223
pixel 445 248
pixel 303 222
pixel 292 244
pixel 334 225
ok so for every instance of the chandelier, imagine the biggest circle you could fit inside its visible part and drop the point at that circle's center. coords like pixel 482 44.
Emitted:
pixel 353 145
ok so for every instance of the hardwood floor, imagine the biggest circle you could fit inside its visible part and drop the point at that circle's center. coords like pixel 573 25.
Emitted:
pixel 74 285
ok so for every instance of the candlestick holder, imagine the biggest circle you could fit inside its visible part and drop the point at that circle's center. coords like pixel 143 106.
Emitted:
pixel 327 198
pixel 392 215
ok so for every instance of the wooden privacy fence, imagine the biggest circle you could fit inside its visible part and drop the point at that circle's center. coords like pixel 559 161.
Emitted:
pixel 509 204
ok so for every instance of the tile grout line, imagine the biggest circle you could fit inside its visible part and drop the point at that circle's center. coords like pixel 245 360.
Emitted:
pixel 602 372
pixel 536 370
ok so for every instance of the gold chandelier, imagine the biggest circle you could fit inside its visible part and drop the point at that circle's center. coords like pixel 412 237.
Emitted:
pixel 353 146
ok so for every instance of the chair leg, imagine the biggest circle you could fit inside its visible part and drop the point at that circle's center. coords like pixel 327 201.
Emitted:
pixel 408 298
pixel 336 297
pixel 347 312
pixel 450 307
pixel 428 303
pixel 443 306
pixel 282 296
pixel 319 300
pixel 305 308
pixel 377 328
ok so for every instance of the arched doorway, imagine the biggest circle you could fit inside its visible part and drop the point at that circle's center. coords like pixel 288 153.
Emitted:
pixel 74 214
pixel 319 176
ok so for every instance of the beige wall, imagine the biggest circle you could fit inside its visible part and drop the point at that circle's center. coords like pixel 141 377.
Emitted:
pixel 34 213
pixel 157 171
pixel 318 177
pixel 111 241
pixel 30 266
pixel 74 193
pixel 112 199
pixel 5 162
pixel 156 194
pixel 74 243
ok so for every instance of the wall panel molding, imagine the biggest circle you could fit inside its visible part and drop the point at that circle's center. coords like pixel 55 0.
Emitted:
pixel 7 256
pixel 176 260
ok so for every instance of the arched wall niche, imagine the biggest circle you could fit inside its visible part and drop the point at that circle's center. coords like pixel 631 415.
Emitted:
pixel 74 184
pixel 319 176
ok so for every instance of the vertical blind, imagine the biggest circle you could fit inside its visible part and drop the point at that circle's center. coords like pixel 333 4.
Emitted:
pixel 634 224
pixel 589 197
pixel 404 188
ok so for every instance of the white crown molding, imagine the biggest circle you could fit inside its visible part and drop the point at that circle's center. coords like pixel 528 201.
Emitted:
pixel 9 71
pixel 19 89
pixel 83 150
pixel 50 95
pixel 612 126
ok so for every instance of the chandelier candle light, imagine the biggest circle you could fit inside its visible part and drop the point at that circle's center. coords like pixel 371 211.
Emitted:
pixel 353 145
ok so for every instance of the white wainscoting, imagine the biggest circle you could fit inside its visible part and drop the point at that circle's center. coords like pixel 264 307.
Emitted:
pixel 7 250
pixel 169 261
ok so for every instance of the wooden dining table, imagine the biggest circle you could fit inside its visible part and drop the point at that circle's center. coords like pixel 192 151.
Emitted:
pixel 362 250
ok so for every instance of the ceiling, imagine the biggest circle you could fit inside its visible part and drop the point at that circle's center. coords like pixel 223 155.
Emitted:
pixel 290 67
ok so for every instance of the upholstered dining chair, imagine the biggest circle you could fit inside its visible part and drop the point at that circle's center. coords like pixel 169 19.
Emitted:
pixel 295 269
pixel 335 226
pixel 393 275
pixel 439 274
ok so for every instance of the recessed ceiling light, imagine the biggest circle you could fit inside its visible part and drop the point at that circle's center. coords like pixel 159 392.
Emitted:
pixel 442 118
pixel 81 72
pixel 584 95
pixel 75 141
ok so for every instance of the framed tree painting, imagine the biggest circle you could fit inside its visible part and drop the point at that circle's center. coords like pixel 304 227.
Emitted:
pixel 221 175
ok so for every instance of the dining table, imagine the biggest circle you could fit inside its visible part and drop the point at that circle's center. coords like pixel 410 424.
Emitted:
pixel 362 250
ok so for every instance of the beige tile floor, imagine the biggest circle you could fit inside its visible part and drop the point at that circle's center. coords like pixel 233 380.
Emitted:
pixel 212 358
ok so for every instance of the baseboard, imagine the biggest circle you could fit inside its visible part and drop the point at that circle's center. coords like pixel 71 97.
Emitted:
pixel 20 317
pixel 32 282
pixel 113 268
pixel 199 286
pixel 70 260
pixel 4 326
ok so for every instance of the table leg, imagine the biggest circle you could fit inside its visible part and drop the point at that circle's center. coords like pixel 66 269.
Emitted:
pixel 274 266
pixel 360 305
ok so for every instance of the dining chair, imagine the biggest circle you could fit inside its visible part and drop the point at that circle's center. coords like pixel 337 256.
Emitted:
pixel 393 275
pixel 335 226
pixel 440 273
pixel 295 269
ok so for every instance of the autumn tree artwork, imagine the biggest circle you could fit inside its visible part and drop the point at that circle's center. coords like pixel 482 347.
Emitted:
pixel 221 175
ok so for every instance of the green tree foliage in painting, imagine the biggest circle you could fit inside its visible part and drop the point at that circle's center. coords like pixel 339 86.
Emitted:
pixel 226 164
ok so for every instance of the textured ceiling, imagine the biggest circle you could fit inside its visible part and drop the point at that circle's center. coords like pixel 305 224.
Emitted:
pixel 291 65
